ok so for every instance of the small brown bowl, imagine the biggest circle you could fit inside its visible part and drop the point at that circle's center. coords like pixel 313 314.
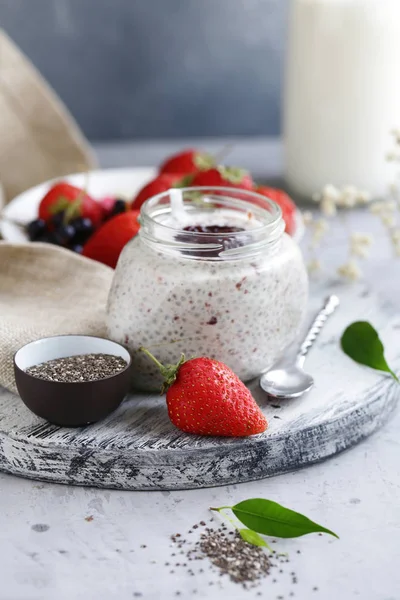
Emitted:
pixel 70 404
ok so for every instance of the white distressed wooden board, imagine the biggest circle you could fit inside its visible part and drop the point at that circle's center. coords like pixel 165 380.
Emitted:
pixel 137 448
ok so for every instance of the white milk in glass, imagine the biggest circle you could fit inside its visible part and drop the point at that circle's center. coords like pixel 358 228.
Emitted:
pixel 342 94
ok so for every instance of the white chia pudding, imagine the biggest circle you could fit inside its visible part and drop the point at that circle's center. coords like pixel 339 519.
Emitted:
pixel 240 301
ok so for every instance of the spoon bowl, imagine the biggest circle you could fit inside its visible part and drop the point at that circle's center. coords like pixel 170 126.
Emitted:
pixel 291 382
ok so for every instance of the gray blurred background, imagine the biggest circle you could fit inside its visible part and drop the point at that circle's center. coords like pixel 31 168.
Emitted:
pixel 130 69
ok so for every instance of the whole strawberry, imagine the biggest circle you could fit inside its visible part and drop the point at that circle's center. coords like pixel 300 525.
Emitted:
pixel 223 176
pixel 187 161
pixel 285 202
pixel 106 244
pixel 72 201
pixel 205 397
pixel 160 184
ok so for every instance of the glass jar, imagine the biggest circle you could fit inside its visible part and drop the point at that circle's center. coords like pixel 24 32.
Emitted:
pixel 211 273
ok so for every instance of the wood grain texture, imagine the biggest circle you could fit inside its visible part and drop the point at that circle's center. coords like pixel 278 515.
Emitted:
pixel 137 448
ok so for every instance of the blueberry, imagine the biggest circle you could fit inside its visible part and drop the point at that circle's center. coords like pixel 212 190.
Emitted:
pixel 78 248
pixel 118 208
pixel 82 224
pixel 83 228
pixel 64 234
pixel 57 219
pixel 35 229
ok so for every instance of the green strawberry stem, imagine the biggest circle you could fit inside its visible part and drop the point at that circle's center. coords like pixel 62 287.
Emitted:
pixel 169 372
pixel 186 181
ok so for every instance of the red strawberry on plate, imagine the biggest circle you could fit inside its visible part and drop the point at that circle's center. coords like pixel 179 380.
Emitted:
pixel 73 201
pixel 187 161
pixel 223 176
pixel 285 202
pixel 205 397
pixel 106 244
pixel 160 184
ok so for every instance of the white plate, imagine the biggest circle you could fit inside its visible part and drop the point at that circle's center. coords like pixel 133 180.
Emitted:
pixel 107 182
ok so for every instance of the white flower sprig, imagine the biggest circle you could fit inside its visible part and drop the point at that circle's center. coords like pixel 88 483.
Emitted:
pixel 331 198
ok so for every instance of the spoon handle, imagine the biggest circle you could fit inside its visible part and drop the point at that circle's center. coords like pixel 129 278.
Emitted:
pixel 330 305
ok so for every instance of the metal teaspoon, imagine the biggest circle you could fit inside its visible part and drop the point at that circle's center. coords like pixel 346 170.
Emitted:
pixel 292 381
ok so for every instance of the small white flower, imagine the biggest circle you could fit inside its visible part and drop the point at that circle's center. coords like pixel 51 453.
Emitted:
pixel 350 270
pixel 364 197
pixel 320 228
pixel 314 266
pixel 359 250
pixel 363 239
pixel 395 235
pixel 389 205
pixel 328 207
pixel 388 220
pixel 307 217
pixel 377 208
pixel 331 192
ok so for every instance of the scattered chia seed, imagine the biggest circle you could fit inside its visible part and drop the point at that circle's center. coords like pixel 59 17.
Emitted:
pixel 234 557
pixel 74 369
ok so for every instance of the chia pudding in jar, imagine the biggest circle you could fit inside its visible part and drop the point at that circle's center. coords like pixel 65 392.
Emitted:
pixel 211 273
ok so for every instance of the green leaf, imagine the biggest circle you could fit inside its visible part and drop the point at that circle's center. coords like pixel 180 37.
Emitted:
pixel 251 537
pixel 270 518
pixel 361 342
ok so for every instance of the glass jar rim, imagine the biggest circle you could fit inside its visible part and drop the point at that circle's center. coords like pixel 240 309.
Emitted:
pixel 265 211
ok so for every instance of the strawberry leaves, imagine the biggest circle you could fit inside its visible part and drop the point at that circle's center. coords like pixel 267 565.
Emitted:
pixel 71 208
pixel 59 205
pixel 169 372
pixel 233 174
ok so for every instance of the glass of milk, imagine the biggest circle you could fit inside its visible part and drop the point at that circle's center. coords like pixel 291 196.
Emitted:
pixel 342 96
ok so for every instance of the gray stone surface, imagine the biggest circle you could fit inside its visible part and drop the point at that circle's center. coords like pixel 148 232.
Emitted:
pixel 158 68
pixel 49 550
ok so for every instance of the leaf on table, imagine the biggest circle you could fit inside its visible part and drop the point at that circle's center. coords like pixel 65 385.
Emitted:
pixel 360 341
pixel 270 518
pixel 252 537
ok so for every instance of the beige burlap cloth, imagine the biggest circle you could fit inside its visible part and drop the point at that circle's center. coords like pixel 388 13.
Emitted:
pixel 45 290
pixel 39 138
